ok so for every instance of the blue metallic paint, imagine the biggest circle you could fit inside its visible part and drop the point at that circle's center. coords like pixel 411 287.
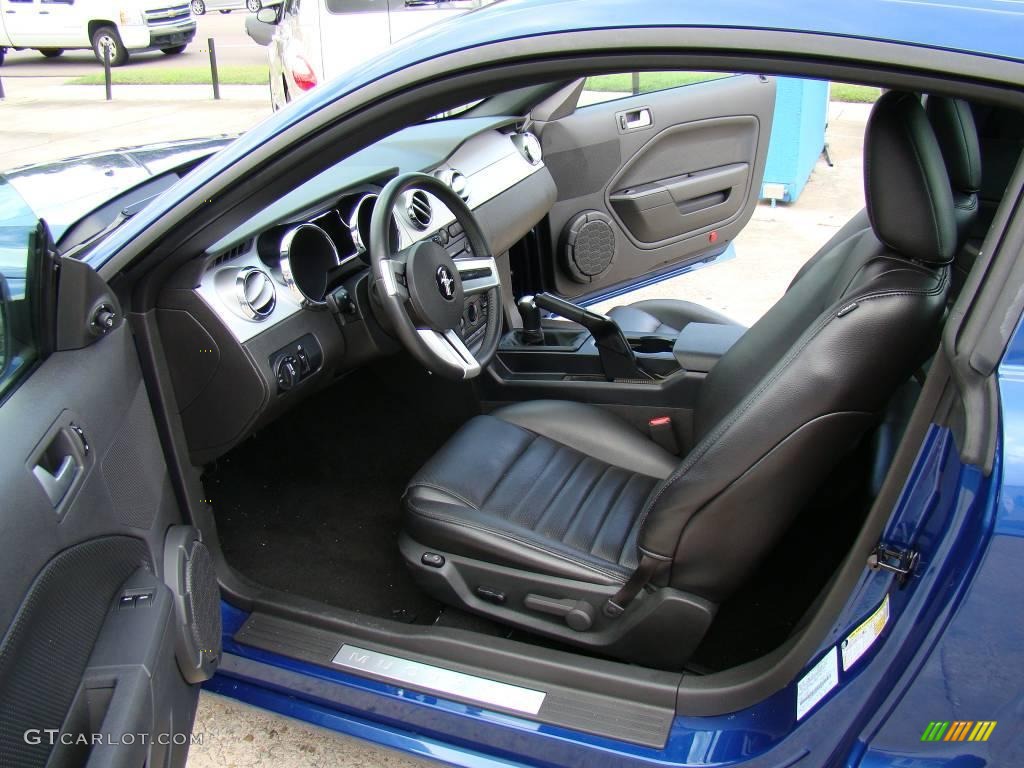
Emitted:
pixel 974 669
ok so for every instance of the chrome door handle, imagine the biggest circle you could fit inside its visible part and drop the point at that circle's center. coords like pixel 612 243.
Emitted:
pixel 56 485
pixel 633 119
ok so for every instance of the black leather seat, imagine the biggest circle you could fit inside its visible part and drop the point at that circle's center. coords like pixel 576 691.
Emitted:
pixel 543 510
pixel 953 124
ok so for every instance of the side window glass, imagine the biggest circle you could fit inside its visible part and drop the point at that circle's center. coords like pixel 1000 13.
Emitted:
pixel 17 224
pixel 602 88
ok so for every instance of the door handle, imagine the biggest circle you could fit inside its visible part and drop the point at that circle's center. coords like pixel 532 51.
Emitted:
pixel 57 484
pixel 633 119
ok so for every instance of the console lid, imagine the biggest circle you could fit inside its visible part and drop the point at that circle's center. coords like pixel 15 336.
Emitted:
pixel 699 345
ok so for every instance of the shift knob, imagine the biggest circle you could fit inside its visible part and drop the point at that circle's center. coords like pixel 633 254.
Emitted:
pixel 532 333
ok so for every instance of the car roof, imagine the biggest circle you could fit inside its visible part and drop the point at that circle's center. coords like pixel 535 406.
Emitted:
pixel 987 27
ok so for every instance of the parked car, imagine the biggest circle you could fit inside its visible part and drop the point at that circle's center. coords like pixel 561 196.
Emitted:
pixel 653 537
pixel 200 7
pixel 54 26
pixel 311 41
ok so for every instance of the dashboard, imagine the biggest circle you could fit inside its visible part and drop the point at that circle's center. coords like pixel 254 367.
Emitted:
pixel 283 304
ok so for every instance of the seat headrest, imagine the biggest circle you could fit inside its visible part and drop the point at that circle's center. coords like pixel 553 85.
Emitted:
pixel 953 123
pixel 909 199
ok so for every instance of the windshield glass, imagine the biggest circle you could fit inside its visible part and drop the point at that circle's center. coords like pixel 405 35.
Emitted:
pixel 17 222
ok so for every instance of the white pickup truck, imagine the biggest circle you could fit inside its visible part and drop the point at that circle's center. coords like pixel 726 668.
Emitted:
pixel 122 26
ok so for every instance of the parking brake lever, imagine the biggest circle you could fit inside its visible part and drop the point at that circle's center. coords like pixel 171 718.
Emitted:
pixel 617 356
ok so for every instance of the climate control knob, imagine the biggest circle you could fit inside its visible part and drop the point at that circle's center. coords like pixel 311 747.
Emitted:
pixel 288 373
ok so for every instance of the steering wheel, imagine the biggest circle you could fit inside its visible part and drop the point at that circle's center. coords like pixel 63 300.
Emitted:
pixel 423 290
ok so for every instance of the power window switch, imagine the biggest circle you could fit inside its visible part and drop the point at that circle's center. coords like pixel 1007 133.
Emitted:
pixel 126 601
pixel 432 559
pixel 144 600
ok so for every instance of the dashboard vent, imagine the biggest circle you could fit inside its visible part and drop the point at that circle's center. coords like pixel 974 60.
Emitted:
pixel 459 185
pixel 230 253
pixel 419 210
pixel 255 293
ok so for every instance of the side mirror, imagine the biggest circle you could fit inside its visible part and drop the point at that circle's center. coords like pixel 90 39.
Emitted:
pixel 261 26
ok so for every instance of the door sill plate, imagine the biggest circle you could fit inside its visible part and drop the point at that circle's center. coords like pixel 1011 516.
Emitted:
pixel 427 677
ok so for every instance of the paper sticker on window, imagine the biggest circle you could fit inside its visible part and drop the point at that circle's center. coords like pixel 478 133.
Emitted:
pixel 864 636
pixel 815 685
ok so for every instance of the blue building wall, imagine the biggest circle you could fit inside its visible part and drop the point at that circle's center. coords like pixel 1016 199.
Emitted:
pixel 798 135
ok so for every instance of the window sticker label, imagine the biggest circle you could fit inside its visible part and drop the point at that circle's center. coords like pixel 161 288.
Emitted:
pixel 815 685
pixel 863 637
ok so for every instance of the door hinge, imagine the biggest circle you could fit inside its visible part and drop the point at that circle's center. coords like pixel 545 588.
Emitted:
pixel 898 560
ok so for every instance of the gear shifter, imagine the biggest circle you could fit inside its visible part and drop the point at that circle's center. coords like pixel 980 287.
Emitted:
pixel 532 332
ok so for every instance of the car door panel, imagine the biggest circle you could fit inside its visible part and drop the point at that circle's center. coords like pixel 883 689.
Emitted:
pixel 75 657
pixel 663 170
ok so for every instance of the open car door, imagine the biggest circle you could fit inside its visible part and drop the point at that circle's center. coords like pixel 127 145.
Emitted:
pixel 109 608
pixel 650 181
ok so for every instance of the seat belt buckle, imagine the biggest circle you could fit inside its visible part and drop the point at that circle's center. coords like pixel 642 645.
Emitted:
pixel 661 431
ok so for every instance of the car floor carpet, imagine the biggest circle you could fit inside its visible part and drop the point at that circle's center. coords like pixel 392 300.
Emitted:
pixel 311 505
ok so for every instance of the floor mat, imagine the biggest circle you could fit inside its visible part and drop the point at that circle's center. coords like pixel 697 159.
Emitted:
pixel 311 505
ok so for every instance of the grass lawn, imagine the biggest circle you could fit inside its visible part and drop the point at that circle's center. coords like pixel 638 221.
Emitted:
pixel 229 75
pixel 657 81
pixel 257 75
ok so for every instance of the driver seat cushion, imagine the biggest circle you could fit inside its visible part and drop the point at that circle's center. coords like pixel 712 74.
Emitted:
pixel 550 487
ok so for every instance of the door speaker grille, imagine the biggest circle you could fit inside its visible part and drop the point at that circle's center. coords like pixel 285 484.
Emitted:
pixel 589 246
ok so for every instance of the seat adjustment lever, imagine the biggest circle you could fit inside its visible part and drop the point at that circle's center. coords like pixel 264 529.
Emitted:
pixel 578 614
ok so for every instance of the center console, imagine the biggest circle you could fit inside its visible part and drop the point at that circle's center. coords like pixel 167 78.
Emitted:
pixel 585 356
pixel 590 346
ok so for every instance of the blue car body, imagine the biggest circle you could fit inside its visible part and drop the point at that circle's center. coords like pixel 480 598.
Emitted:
pixel 953 646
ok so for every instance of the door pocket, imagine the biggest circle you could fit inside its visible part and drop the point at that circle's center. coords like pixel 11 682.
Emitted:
pixel 667 208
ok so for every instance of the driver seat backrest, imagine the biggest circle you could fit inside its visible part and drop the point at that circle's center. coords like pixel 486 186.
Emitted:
pixel 788 401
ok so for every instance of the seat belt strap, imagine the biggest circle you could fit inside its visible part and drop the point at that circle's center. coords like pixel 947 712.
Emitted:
pixel 617 604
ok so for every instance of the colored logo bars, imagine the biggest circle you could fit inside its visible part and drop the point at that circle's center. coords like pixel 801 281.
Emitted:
pixel 958 730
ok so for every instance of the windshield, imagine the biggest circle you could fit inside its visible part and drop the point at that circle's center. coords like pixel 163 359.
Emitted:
pixel 17 222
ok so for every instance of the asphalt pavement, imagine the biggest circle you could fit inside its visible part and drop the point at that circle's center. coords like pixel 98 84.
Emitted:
pixel 233 46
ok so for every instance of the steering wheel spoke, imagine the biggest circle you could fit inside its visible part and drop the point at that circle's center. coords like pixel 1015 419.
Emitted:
pixel 450 347
pixel 393 277
pixel 479 275
pixel 422 290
